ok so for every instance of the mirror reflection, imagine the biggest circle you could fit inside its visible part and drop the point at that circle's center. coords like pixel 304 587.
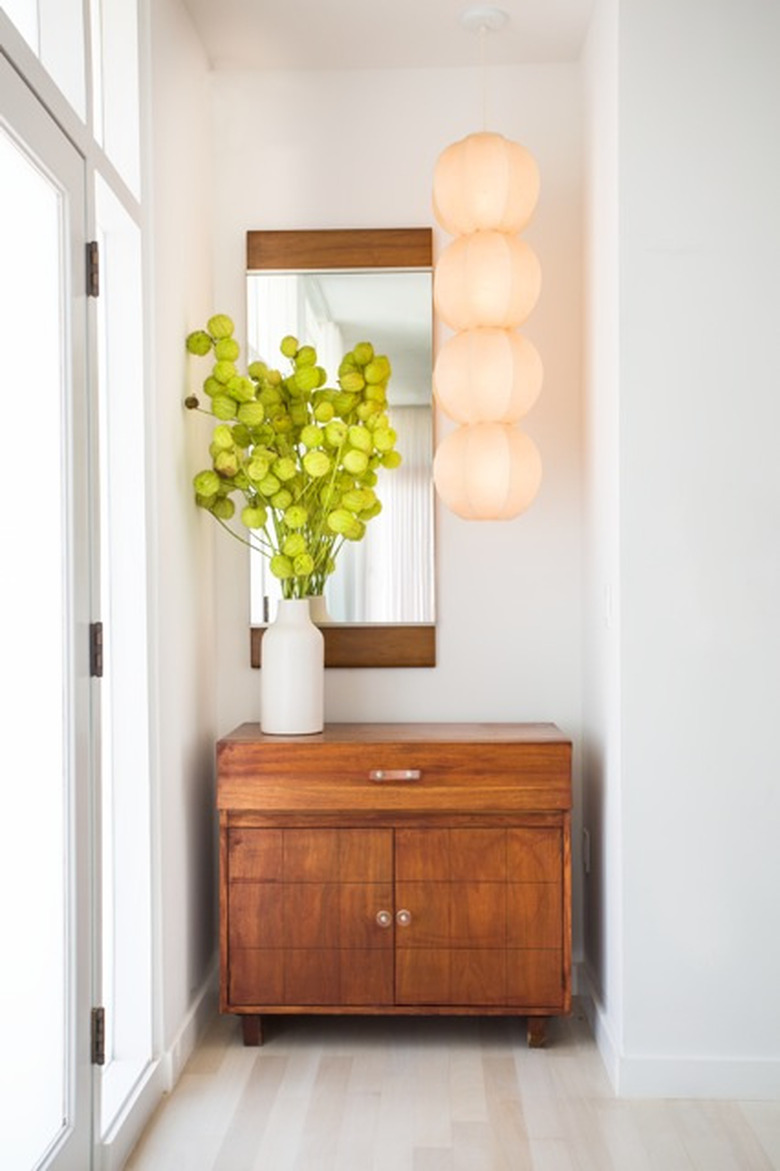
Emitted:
pixel 388 576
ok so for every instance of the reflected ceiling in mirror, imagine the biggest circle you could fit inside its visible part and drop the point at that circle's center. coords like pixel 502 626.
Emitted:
pixel 333 289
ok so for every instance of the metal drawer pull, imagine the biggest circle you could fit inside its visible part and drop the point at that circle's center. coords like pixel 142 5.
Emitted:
pixel 384 918
pixel 395 774
pixel 403 918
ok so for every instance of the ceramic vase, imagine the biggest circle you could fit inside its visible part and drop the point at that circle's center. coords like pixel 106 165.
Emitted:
pixel 292 675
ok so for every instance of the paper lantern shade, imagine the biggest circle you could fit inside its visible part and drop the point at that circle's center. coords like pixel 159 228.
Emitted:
pixel 488 471
pixel 486 279
pixel 485 181
pixel 487 376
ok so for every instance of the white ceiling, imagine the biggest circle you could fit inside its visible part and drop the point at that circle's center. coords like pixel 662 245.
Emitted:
pixel 380 34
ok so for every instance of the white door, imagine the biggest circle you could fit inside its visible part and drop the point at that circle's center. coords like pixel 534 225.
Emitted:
pixel 45 1072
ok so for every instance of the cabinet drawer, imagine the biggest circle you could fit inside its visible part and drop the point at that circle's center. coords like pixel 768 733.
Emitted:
pixel 387 773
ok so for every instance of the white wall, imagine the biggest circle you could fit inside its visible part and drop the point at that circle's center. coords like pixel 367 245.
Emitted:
pixel 699 498
pixel 357 149
pixel 185 636
pixel 601 622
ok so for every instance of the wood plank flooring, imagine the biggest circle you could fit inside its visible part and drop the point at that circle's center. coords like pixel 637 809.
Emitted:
pixel 416 1094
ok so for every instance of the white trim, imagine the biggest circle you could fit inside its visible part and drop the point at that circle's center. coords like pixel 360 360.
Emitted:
pixel 599 1023
pixel 158 1079
pixel 651 1076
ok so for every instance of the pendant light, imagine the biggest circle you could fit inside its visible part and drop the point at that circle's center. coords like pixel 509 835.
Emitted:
pixel 486 283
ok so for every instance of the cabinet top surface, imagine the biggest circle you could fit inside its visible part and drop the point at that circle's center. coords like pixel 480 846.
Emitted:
pixel 409 733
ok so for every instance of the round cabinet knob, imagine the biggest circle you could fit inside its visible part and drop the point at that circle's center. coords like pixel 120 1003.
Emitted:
pixel 403 918
pixel 384 918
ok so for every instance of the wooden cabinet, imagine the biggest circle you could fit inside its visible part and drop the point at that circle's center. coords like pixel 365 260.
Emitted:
pixel 397 868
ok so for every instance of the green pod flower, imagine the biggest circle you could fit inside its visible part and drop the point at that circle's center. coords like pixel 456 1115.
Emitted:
pixel 226 464
pixel 284 468
pixel 220 325
pixel 205 501
pixel 363 353
pixel 223 406
pixel 223 507
pixel 269 485
pixel 212 387
pixel 305 356
pixel 227 349
pixel 317 464
pixel 257 370
pixel 294 544
pixel 340 521
pixel 379 370
pixel 224 371
pixel 376 393
pixel 282 499
pixel 360 438
pixel 355 461
pixel 282 423
pixel 356 531
pixel 344 403
pixel 307 379
pixel 392 459
pixel 384 438
pixel 242 436
pixel 352 382
pixel 369 478
pixel 303 565
pixel 348 364
pixel 206 483
pixel 270 397
pixel 369 513
pixel 242 389
pixel 335 433
pixel 281 566
pixel 251 413
pixel 254 516
pixel 311 436
pixel 324 412
pixel 289 346
pixel 295 516
pixel 367 410
pixel 222 437
pixel 199 342
pixel 241 481
pixel 257 468
pixel 299 414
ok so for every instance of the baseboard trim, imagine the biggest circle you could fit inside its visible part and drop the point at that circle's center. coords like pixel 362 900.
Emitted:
pixel 716 1078
pixel 158 1079
pixel 600 1024
pixel 202 1010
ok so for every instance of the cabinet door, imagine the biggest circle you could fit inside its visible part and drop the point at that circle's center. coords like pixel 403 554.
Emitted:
pixel 480 917
pixel 302 917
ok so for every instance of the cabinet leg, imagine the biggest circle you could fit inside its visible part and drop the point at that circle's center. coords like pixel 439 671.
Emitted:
pixel 252 1028
pixel 537 1031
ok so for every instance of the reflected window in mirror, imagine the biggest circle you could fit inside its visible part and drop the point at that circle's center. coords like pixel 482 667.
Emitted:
pixel 331 292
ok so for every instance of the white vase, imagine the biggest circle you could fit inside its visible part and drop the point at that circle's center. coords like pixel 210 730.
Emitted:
pixel 292 675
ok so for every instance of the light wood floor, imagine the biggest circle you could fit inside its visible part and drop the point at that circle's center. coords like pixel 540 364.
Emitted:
pixel 405 1094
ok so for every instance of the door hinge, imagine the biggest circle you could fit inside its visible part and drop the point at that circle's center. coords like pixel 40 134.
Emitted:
pixel 93 269
pixel 96 650
pixel 98 1044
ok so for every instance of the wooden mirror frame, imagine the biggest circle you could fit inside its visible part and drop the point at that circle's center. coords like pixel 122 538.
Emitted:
pixel 352 645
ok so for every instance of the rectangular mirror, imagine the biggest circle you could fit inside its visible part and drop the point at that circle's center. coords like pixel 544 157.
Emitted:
pixel 333 289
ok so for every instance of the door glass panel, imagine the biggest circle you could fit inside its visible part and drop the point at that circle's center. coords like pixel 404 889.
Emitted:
pixel 54 30
pixel 36 856
pixel 116 86
pixel 126 924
